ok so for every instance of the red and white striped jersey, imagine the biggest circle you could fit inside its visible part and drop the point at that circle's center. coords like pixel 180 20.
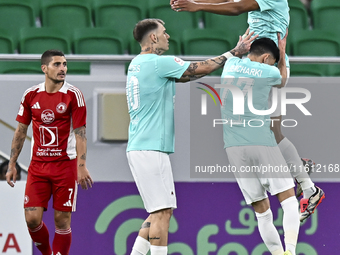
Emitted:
pixel 54 117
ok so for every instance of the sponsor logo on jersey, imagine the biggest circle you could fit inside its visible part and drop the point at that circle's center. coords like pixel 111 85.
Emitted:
pixel 47 116
pixel 68 203
pixel 61 107
pixel 48 136
pixel 179 61
pixel 36 106
pixel 21 110
pixel 26 199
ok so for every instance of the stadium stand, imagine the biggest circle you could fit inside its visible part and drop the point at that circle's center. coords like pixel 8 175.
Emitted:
pixel 299 19
pixel 232 25
pixel 37 40
pixel 6 42
pixel 10 11
pixel 308 69
pixel 175 47
pixel 315 43
pixel 97 41
pixel 113 22
pixel 334 70
pixel 174 21
pixel 211 42
pixel 16 67
pixel 66 15
pixel 325 14
pixel 120 15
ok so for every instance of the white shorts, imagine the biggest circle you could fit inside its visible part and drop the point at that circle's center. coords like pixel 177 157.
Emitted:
pixel 277 111
pixel 259 169
pixel 152 173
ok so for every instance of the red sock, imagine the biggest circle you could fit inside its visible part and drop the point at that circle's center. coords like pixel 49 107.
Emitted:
pixel 62 241
pixel 40 238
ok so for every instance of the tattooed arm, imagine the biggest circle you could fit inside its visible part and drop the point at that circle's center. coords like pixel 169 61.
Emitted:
pixel 199 69
pixel 186 78
pixel 17 143
pixel 84 177
pixel 206 1
pixel 226 8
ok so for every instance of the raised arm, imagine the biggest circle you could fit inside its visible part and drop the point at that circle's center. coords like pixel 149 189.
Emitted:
pixel 84 178
pixel 199 69
pixel 282 62
pixel 225 8
pixel 17 144
pixel 206 1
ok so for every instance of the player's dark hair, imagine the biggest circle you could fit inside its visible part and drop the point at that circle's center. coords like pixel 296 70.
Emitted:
pixel 265 45
pixel 46 57
pixel 144 26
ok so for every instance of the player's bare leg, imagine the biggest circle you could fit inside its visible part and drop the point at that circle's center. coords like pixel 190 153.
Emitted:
pixel 268 232
pixel 37 229
pixel 63 234
pixel 291 222
pixel 142 244
pixel 158 233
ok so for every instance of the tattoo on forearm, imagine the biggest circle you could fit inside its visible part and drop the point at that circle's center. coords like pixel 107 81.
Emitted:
pixel 81 132
pixel 81 165
pixel 145 225
pixel 192 77
pixel 83 156
pixel 205 62
pixel 192 68
pixel 219 60
pixel 18 141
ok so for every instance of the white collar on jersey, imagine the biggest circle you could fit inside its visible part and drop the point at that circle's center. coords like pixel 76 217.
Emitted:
pixel 63 89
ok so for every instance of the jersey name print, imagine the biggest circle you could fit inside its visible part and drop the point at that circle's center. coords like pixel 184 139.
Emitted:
pixel 54 116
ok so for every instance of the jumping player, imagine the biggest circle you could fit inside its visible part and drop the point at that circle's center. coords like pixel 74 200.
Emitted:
pixel 247 145
pixel 267 18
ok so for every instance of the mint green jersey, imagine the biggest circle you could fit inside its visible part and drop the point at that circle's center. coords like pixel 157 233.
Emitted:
pixel 150 91
pixel 271 18
pixel 247 76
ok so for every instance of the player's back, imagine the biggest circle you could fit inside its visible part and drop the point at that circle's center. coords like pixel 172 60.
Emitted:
pixel 271 18
pixel 255 81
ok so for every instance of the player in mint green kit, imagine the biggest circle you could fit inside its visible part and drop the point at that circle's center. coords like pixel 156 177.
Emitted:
pixel 150 90
pixel 249 146
pixel 267 18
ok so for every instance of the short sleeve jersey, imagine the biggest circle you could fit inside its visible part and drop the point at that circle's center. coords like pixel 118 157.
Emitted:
pixel 271 18
pixel 245 75
pixel 54 116
pixel 150 91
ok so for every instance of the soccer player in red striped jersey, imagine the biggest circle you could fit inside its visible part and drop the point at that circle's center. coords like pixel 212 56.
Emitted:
pixel 57 111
